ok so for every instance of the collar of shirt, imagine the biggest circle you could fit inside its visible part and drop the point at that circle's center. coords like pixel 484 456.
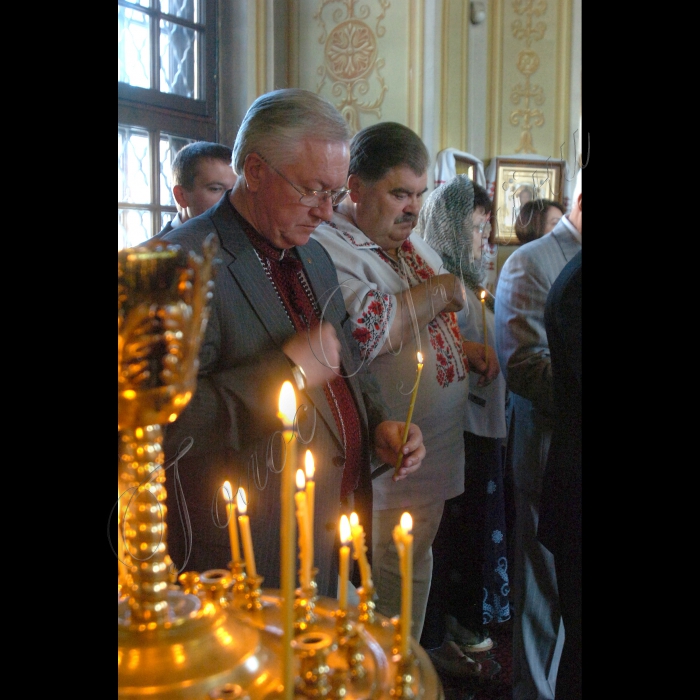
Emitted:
pixel 574 231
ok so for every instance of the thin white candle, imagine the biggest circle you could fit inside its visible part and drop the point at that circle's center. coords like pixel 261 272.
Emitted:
pixel 404 544
pixel 358 542
pixel 410 410
pixel 345 537
pixel 232 526
pixel 483 318
pixel 303 522
pixel 244 522
pixel 310 498
pixel 287 411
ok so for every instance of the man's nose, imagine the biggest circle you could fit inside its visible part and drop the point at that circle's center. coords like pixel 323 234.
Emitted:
pixel 413 205
pixel 324 209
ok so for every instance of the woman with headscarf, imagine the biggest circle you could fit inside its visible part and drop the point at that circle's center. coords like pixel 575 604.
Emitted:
pixel 470 575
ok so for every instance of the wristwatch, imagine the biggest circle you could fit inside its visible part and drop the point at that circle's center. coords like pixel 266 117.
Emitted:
pixel 299 377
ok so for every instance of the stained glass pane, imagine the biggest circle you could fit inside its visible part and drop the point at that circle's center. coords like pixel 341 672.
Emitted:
pixel 135 167
pixel 134 227
pixel 186 9
pixel 178 60
pixel 165 217
pixel 134 65
pixel 169 146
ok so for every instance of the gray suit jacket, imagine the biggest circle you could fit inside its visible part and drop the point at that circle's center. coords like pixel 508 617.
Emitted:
pixel 232 416
pixel 521 339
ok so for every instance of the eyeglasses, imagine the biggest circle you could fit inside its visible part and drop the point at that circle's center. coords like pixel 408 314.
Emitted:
pixel 313 198
pixel 483 226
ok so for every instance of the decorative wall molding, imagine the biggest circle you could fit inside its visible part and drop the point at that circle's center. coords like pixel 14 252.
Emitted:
pixel 352 64
pixel 527 94
pixel 530 63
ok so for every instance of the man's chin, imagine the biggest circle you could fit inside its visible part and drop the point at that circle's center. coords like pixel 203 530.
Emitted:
pixel 299 237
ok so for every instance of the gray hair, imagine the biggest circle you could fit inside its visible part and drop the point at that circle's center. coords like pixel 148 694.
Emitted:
pixel 276 122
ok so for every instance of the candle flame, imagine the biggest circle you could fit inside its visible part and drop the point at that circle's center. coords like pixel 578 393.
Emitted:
pixel 354 520
pixel 406 522
pixel 420 358
pixel 228 493
pixel 483 294
pixel 301 482
pixel 344 529
pixel 287 405
pixel 241 500
pixel 309 464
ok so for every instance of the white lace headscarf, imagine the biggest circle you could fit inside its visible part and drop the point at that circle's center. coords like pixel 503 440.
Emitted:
pixel 445 222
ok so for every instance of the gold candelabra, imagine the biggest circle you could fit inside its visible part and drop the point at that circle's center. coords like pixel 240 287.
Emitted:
pixel 215 635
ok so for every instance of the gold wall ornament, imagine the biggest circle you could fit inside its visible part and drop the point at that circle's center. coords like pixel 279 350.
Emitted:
pixel 527 31
pixel 351 57
pixel 527 63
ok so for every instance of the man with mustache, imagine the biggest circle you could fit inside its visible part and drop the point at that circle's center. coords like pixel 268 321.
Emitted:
pixel 401 302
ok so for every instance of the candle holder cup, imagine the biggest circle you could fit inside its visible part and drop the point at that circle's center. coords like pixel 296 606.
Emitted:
pixel 216 584
pixel 312 649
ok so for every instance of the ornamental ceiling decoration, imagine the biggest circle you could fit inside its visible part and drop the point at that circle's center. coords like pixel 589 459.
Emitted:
pixel 351 59
pixel 528 62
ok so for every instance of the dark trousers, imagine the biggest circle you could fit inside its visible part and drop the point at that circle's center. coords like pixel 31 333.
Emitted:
pixel 457 586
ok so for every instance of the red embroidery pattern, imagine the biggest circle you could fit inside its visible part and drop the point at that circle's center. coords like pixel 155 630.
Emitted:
pixel 448 365
pixel 371 327
pixel 443 329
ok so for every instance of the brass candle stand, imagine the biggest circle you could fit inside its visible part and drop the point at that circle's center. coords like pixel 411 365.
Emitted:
pixel 217 634
pixel 240 584
pixel 304 604
pixel 366 606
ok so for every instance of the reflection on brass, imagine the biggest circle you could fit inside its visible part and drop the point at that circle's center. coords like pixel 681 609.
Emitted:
pixel 404 681
pixel 304 604
pixel 312 649
pixel 214 635
pixel 240 585
pixel 366 606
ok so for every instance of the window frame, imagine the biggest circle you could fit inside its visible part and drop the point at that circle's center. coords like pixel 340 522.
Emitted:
pixel 154 110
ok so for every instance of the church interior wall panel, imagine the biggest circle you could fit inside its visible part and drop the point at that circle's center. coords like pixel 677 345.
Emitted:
pixel 366 58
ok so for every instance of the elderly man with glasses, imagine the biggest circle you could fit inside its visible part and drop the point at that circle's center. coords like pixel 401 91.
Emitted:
pixel 270 322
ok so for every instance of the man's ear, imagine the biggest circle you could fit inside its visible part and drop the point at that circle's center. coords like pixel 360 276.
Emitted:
pixel 354 185
pixel 180 194
pixel 253 171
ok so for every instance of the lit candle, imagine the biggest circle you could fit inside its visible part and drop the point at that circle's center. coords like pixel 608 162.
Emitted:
pixel 310 497
pixel 303 522
pixel 345 537
pixel 483 317
pixel 410 411
pixel 404 544
pixel 232 527
pixel 244 522
pixel 358 543
pixel 287 411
